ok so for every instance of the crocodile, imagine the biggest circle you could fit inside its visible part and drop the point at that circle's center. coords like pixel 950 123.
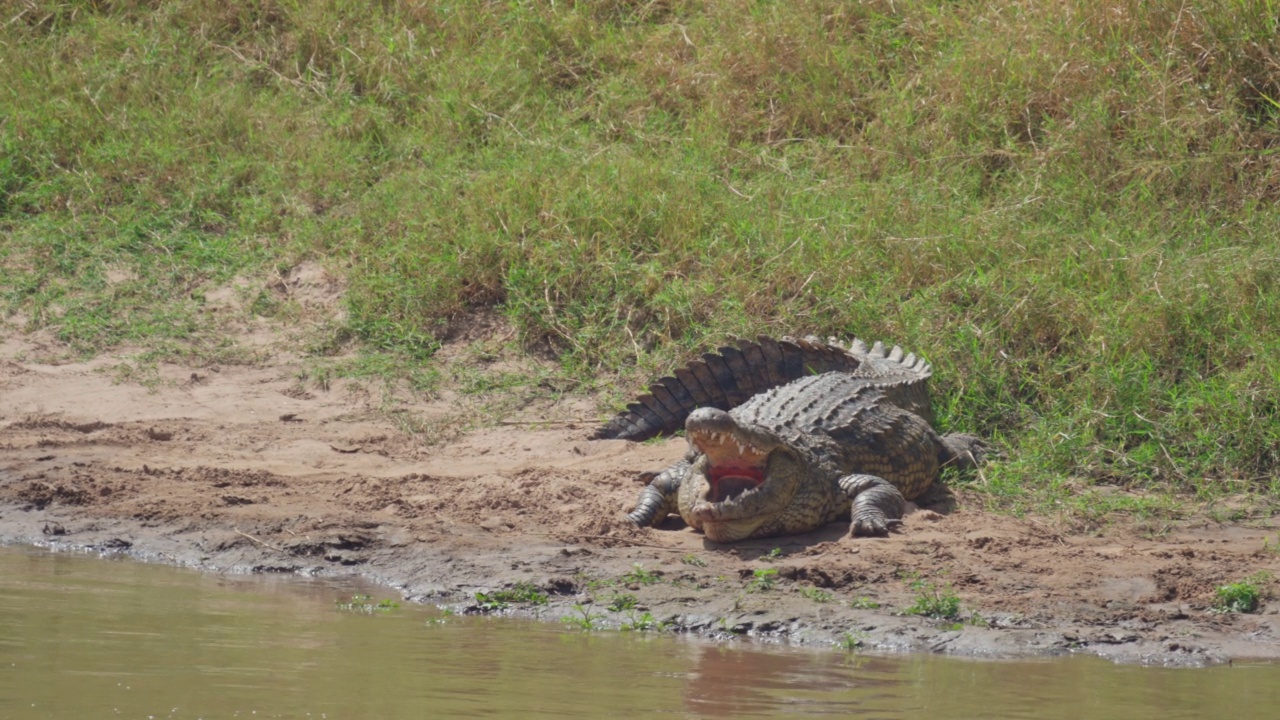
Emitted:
pixel 788 435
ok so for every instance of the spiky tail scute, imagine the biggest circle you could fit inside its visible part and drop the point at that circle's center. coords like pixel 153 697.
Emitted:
pixel 729 377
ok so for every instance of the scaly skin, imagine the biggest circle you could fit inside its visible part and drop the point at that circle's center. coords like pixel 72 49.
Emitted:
pixel 796 457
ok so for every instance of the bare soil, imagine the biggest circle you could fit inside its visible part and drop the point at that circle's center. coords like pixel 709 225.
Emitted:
pixel 244 468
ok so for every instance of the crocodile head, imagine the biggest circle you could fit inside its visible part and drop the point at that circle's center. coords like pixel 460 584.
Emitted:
pixel 743 481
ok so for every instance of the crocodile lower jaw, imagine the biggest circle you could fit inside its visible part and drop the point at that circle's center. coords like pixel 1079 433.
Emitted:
pixel 731 530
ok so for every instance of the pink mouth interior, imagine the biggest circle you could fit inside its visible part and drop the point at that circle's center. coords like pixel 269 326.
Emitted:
pixel 733 466
pixel 730 480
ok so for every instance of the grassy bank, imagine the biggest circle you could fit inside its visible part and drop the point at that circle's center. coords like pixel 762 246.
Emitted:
pixel 1067 207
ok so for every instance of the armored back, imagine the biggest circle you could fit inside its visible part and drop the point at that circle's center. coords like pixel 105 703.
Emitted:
pixel 733 375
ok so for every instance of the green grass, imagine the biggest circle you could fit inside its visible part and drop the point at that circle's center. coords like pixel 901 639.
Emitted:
pixel 1067 208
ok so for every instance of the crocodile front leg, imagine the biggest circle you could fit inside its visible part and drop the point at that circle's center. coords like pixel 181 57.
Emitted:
pixel 877 504
pixel 658 499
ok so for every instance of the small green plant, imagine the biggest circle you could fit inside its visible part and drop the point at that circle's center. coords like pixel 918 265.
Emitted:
pixel 643 623
pixel 639 576
pixel 864 603
pixel 489 602
pixel 365 604
pixel 499 600
pixel 931 601
pixel 693 560
pixel 524 592
pixel 762 580
pixel 594 584
pixel 1241 597
pixel 584 620
pixel 443 618
pixel 774 554
pixel 851 641
pixel 817 595
pixel 620 602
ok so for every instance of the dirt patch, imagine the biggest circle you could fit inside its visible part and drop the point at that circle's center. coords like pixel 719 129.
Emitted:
pixel 240 468
pixel 312 287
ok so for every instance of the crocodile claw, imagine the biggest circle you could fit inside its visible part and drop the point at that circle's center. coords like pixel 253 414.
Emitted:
pixel 873 524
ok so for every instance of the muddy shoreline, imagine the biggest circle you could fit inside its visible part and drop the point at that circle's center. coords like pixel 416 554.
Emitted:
pixel 241 469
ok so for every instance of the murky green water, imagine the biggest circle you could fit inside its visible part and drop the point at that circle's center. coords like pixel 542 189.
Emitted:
pixel 90 638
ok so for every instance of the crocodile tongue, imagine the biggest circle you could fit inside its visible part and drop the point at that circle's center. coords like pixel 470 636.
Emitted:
pixel 728 483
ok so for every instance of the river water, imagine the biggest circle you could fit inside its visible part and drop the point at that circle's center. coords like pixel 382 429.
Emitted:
pixel 84 637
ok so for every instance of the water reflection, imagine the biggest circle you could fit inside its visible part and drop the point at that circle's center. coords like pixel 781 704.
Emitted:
pixel 731 682
pixel 84 638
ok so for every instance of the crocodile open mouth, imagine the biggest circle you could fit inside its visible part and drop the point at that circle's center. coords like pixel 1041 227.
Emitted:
pixel 733 467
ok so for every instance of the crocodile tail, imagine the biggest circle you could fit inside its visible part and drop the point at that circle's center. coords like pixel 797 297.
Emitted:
pixel 725 379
